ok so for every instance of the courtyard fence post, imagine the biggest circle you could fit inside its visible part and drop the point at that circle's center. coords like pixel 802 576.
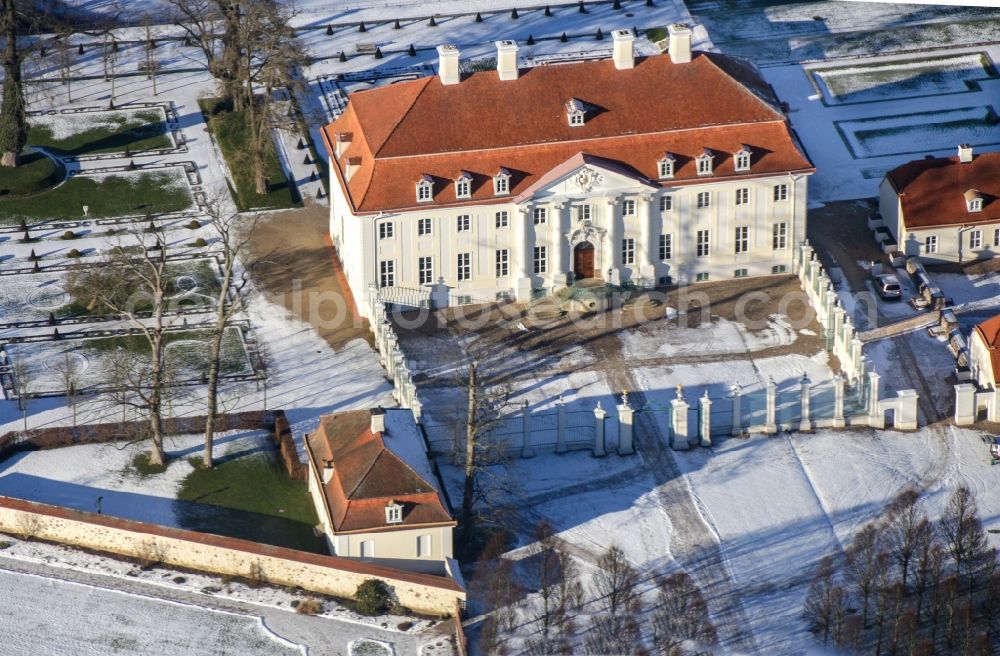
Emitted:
pixel 560 425
pixel 599 415
pixel 857 356
pixel 526 450
pixel 737 394
pixel 838 401
pixel 875 417
pixel 625 427
pixel 770 423
pixel 679 415
pixel 805 423
pixel 906 410
pixel 965 404
pixel 705 408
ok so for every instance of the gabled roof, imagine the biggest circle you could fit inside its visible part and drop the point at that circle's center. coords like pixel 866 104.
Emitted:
pixel 370 470
pixel 483 124
pixel 932 191
pixel 989 333
pixel 574 163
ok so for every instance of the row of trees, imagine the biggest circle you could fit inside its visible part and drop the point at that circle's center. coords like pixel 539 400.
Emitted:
pixel 678 620
pixel 910 586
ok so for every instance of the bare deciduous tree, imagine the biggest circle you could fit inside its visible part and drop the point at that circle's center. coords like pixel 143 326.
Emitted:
pixel 963 534
pixel 862 565
pixel 24 382
pixel 826 601
pixel 906 526
pixel 615 583
pixel 681 616
pixel 68 370
pixel 13 115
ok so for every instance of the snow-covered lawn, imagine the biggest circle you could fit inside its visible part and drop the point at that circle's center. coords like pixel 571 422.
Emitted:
pixel 665 339
pixel 922 131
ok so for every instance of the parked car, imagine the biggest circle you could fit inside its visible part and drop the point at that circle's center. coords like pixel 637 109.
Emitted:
pixel 887 286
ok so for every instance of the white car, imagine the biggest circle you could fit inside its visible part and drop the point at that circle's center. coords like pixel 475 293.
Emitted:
pixel 887 286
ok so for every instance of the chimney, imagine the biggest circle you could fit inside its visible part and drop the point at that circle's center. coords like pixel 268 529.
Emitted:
pixel 964 153
pixel 353 164
pixel 507 59
pixel 623 55
pixel 448 69
pixel 378 420
pixel 680 43
pixel 343 141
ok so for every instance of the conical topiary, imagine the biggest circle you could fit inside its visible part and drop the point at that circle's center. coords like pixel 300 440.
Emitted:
pixel 378 53
pixel 79 49
pixel 564 38
pixel 548 12
pixel 301 145
pixel 329 30
pixel 55 333
pixel 36 268
pixel 513 13
pixel 411 51
pixel 131 165
pixel 600 35
pixel 32 257
pixel 432 22
pixel 312 176
pixel 649 3
pixel 307 160
pixel 583 10
pixel 479 17
pixel 617 4
pixel 342 56
pixel 319 193
pixel 52 318
pixel 396 25
pixel 530 41
pixel 362 28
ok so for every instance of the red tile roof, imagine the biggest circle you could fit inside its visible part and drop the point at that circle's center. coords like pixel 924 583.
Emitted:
pixel 989 332
pixel 422 127
pixel 367 475
pixel 932 191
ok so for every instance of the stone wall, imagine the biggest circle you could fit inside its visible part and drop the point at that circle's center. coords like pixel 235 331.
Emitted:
pixel 222 555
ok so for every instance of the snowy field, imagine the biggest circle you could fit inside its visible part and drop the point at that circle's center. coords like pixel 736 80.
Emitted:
pixel 913 134
pixel 82 619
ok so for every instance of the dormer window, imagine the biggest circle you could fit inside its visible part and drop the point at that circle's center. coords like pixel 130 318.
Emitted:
pixel 394 513
pixel 973 200
pixel 705 163
pixel 425 189
pixel 576 112
pixel 463 185
pixel 501 183
pixel 741 158
pixel 666 165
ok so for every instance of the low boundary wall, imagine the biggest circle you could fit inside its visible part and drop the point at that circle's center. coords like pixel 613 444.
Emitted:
pixel 205 552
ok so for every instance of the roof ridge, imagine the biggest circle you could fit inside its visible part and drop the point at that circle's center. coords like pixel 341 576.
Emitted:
pixel 367 471
pixel 413 103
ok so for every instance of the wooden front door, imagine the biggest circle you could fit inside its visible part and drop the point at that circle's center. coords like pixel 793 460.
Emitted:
pixel 583 260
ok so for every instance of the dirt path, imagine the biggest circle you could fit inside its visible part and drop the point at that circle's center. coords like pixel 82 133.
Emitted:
pixel 298 270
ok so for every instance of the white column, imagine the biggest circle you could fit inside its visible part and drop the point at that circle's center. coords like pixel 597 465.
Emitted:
pixel 838 401
pixel 647 256
pixel 559 226
pixel 906 411
pixel 705 427
pixel 770 425
pixel 876 419
pixel 526 450
pixel 612 254
pixel 965 404
pixel 599 415
pixel 679 415
pixel 625 417
pixel 522 244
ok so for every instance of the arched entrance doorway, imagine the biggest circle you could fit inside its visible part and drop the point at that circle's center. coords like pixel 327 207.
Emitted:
pixel 583 260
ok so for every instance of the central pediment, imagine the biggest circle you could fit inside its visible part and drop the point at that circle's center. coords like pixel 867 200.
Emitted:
pixel 583 175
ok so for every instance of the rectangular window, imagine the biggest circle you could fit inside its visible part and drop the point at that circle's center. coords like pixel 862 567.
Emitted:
pixel 583 212
pixel 628 208
pixel 740 273
pixel 743 196
pixel 628 251
pixel 386 230
pixel 976 239
pixel 501 184
pixel 930 244
pixel 424 192
pixel 743 162
pixel 541 259
pixel 704 165
pixel 701 277
pixel 996 237
pixel 704 199
pixel 423 227
pixel 502 219
pixel 666 203
pixel 463 223
pixel 779 268
pixel 780 192
pixel 704 243
pixel 423 546
pixel 666 168
pixel 779 236
pixel 425 270
pixel 387 273
pixel 742 239
pixel 464 266
pixel 666 247
pixel 540 215
pixel 462 188
pixel 503 262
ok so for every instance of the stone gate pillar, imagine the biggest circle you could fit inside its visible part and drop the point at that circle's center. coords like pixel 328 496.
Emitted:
pixel 599 415
pixel 770 423
pixel 805 423
pixel 680 421
pixel 737 394
pixel 625 427
pixel 526 450
pixel 705 417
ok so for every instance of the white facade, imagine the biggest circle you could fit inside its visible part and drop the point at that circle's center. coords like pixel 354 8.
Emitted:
pixel 639 232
